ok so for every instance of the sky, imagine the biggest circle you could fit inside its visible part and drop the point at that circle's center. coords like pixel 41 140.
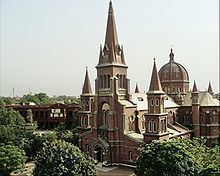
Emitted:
pixel 47 44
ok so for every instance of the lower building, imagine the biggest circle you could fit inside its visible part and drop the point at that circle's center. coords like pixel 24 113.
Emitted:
pixel 49 116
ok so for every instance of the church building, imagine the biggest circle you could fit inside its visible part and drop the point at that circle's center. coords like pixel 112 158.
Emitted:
pixel 114 123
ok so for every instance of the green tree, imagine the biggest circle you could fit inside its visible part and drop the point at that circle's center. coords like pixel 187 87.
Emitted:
pixel 2 103
pixel 8 100
pixel 14 130
pixel 44 98
pixel 166 158
pixel 12 127
pixel 207 158
pixel 62 158
pixel 30 98
pixel 37 141
pixel 11 158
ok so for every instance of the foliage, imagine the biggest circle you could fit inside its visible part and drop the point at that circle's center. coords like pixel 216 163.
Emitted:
pixel 2 103
pixel 37 141
pixel 43 99
pixel 12 127
pixel 206 160
pixel 30 98
pixel 6 101
pixel 166 158
pixel 62 158
pixel 14 130
pixel 11 158
pixel 67 135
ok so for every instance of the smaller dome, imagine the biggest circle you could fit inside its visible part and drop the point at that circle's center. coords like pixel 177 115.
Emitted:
pixel 173 71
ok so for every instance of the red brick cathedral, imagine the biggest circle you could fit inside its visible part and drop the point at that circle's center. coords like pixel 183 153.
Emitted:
pixel 114 123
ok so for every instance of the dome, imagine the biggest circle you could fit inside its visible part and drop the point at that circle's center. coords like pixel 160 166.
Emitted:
pixel 173 71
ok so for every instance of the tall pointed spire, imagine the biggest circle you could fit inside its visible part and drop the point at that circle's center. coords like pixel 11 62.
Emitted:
pixel 194 87
pixel 171 55
pixel 136 89
pixel 111 32
pixel 155 85
pixel 87 86
pixel 112 52
pixel 210 88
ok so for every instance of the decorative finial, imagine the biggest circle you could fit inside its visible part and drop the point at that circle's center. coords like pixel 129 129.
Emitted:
pixel 171 54
pixel 86 68
pixel 110 7
pixel 154 59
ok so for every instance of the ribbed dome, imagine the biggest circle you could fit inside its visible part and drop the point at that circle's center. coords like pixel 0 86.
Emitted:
pixel 173 71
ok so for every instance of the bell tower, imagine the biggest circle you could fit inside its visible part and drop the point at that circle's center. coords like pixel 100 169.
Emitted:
pixel 87 98
pixel 156 118
pixel 111 83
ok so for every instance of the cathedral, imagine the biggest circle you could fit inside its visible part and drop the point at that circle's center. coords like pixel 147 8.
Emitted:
pixel 114 123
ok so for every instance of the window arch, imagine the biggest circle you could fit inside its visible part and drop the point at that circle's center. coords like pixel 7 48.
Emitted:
pixel 143 123
pixel 104 81
pixel 154 126
pixel 124 82
pixel 150 126
pixel 130 156
pixel 105 113
pixel 157 102
pixel 151 102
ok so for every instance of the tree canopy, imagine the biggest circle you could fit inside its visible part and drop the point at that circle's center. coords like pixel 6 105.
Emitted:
pixel 62 158
pixel 11 158
pixel 165 158
pixel 12 127
pixel 178 157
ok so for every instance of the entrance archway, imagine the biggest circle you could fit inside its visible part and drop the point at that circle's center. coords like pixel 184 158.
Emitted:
pixel 98 154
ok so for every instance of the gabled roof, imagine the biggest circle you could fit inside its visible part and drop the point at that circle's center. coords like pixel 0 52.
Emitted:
pixel 140 99
pixel 205 99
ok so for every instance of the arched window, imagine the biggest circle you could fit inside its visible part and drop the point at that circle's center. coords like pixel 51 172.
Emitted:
pixel 108 81
pixel 130 156
pixel 105 112
pixel 157 102
pixel 105 81
pixel 143 123
pixel 102 81
pixel 202 119
pixel 154 127
pixel 120 81
pixel 151 102
pixel 123 116
pixel 124 82
pixel 150 126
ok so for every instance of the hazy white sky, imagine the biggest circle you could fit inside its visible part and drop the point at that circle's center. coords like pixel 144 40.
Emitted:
pixel 46 44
